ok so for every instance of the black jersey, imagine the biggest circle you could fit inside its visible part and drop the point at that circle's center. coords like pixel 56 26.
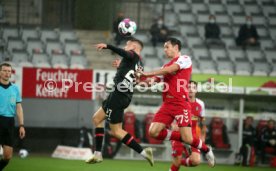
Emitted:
pixel 124 80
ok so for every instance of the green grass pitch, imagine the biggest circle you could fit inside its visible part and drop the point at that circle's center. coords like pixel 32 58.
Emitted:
pixel 38 163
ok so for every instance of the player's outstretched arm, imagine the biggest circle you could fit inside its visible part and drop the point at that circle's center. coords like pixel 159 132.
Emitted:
pixel 163 71
pixel 123 53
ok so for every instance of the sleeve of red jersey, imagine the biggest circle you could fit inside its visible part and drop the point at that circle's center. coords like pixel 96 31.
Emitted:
pixel 184 62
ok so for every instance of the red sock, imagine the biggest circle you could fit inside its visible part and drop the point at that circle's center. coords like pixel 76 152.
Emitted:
pixel 186 162
pixel 197 143
pixel 174 168
pixel 176 136
pixel 169 135
pixel 162 134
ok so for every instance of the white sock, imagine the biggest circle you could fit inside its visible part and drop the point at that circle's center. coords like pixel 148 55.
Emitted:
pixel 97 153
pixel 143 153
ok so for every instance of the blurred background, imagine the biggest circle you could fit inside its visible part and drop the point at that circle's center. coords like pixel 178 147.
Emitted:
pixel 231 43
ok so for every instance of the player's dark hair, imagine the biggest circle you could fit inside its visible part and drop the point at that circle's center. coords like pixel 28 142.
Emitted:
pixel 174 42
pixel 193 82
pixel 5 64
pixel 132 39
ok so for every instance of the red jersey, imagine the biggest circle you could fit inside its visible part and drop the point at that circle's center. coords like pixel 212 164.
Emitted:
pixel 176 83
pixel 198 112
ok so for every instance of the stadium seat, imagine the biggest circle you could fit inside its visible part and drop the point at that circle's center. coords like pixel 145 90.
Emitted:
pixel 238 19
pixel 254 53
pixel 196 69
pixel 225 67
pixel 199 7
pixel 207 66
pixel 267 43
pixel 273 71
pixel 37 59
pixel 181 7
pixel 19 56
pixel 243 68
pixel 67 35
pixel 188 29
pixel 152 62
pixel 194 40
pixel 270 55
pixel 54 47
pixel 218 52
pixel 148 51
pixel 272 20
pixel 268 9
pixel 15 44
pixel 272 31
pixel 26 64
pixel 222 19
pixel 215 8
pixel 261 68
pixel 78 62
pixel 252 9
pixel 202 18
pixel 10 32
pixel 170 20
pixel 144 37
pixel 259 20
pixel 229 41
pixel 48 34
pixel 262 31
pixel 186 18
pixel 34 45
pixel 72 47
pixel 234 8
pixel 29 34
pixel 236 53
pixel 226 30
pixel 200 51
pixel 59 61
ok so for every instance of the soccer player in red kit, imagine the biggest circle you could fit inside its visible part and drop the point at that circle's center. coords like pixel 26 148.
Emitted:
pixel 192 155
pixel 176 106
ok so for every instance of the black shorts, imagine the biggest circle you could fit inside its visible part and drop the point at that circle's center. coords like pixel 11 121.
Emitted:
pixel 7 131
pixel 114 106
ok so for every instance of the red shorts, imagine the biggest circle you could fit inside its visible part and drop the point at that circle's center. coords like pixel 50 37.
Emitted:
pixel 178 149
pixel 170 111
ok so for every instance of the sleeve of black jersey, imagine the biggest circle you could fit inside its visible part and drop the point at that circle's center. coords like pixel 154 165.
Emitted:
pixel 122 52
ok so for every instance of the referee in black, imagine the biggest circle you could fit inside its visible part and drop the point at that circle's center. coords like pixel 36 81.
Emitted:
pixel 10 105
pixel 113 107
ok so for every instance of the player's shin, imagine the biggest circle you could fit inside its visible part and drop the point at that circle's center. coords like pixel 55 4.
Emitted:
pixel 99 136
pixel 199 144
pixel 166 134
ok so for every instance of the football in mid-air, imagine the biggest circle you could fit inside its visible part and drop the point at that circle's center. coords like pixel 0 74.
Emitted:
pixel 23 153
pixel 127 27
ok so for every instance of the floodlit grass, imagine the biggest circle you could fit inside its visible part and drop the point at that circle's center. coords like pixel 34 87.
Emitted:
pixel 38 163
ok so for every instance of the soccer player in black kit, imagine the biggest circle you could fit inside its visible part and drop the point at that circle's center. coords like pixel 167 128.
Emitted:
pixel 113 107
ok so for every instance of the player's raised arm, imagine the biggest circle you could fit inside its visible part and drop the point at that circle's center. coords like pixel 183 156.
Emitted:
pixel 121 52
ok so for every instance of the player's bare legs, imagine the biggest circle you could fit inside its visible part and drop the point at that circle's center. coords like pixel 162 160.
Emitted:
pixel 98 122
pixel 119 133
pixel 190 161
pixel 159 131
pixel 127 139
pixel 7 155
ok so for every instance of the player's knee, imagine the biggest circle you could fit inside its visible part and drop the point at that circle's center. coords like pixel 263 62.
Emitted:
pixel 195 162
pixel 153 133
pixel 95 120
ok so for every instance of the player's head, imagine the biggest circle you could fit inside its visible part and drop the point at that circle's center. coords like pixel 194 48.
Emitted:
pixel 271 124
pixel 5 71
pixel 192 88
pixel 249 120
pixel 134 44
pixel 172 47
